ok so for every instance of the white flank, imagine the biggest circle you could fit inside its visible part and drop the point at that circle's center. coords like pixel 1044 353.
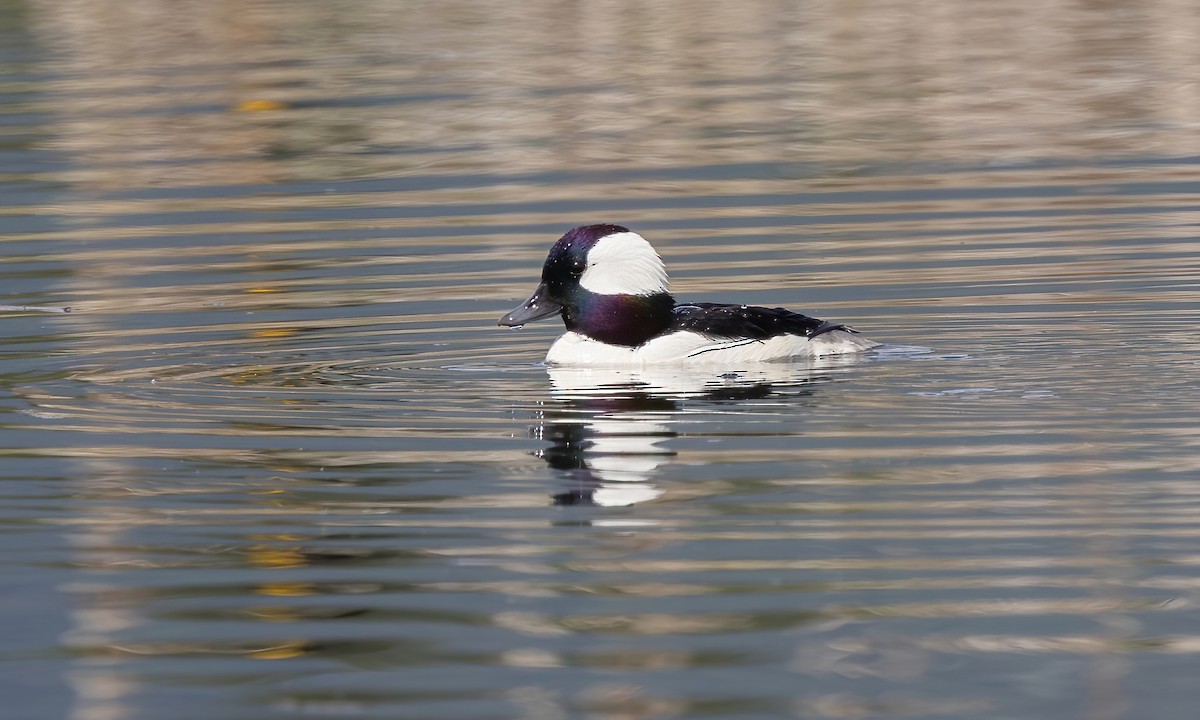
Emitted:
pixel 624 264
pixel 689 347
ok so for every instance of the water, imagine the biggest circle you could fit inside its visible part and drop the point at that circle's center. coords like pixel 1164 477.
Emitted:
pixel 278 461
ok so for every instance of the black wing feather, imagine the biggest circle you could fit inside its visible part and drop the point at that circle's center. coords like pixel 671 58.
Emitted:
pixel 715 320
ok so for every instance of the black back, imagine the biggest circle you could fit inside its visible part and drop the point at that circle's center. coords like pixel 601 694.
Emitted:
pixel 715 320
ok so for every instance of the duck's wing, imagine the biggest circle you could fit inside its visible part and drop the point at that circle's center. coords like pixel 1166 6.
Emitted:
pixel 716 320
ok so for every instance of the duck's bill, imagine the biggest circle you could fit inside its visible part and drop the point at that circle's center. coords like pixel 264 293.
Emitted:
pixel 538 306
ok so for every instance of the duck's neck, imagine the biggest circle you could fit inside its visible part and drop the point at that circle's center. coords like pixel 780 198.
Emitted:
pixel 628 320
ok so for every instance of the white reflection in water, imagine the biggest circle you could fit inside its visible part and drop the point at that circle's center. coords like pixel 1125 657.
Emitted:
pixel 607 437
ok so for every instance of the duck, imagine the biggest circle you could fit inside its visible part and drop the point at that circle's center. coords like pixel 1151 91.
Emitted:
pixel 610 287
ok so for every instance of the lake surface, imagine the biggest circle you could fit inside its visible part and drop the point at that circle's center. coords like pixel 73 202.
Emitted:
pixel 279 462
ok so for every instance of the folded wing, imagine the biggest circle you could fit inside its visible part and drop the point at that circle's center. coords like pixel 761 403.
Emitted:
pixel 747 322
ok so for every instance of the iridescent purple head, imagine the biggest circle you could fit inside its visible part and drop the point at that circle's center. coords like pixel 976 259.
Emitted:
pixel 606 282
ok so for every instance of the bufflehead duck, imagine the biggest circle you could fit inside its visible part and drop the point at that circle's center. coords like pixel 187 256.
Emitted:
pixel 610 287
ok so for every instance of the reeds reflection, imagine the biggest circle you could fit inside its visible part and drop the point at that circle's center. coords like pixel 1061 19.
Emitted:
pixel 269 91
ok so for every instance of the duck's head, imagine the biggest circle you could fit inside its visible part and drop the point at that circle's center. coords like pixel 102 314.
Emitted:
pixel 607 283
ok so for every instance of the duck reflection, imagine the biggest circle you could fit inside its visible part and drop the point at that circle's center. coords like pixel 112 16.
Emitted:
pixel 608 447
pixel 608 433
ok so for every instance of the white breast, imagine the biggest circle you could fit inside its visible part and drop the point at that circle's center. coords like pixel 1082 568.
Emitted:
pixel 689 347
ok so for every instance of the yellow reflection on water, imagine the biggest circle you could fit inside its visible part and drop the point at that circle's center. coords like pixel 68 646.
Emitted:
pixel 614 83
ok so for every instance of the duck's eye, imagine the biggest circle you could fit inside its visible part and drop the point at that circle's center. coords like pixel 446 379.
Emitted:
pixel 578 266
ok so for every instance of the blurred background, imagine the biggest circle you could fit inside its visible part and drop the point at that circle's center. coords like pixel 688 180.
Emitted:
pixel 278 461
pixel 145 93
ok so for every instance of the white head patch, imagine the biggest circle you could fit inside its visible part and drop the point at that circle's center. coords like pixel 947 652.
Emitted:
pixel 624 264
